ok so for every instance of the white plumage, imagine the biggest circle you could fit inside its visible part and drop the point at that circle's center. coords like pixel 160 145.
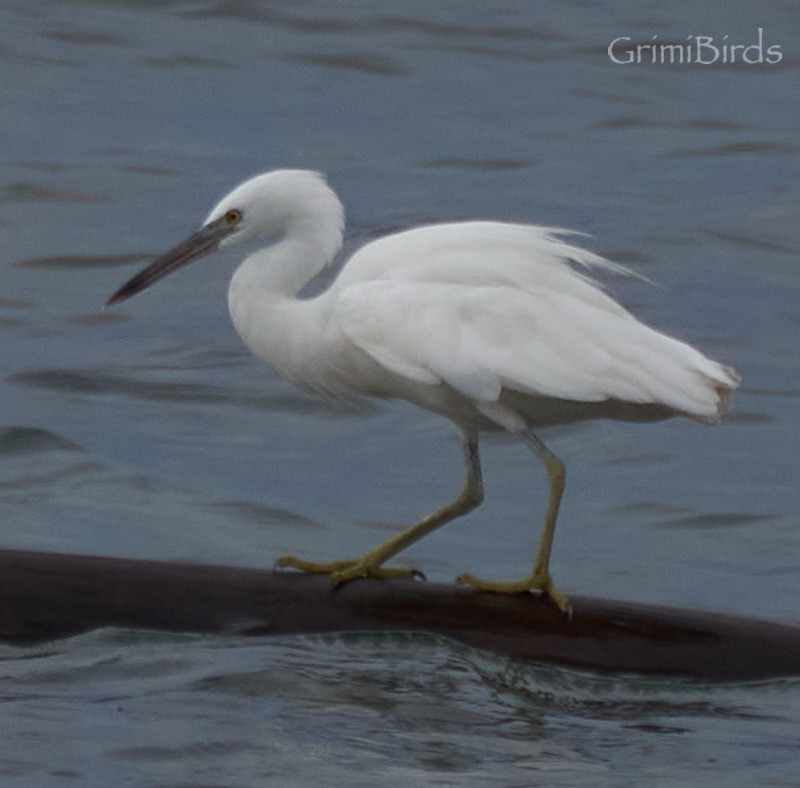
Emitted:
pixel 494 325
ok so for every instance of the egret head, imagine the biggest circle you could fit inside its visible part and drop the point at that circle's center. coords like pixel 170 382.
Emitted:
pixel 268 206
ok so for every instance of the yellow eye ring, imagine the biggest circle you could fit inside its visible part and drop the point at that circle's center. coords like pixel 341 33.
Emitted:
pixel 233 216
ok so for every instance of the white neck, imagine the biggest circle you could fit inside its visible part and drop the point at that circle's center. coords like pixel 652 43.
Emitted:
pixel 262 297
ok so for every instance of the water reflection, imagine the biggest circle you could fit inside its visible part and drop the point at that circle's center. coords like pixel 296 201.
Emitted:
pixel 402 707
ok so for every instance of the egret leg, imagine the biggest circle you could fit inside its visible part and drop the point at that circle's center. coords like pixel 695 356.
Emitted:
pixel 371 564
pixel 539 579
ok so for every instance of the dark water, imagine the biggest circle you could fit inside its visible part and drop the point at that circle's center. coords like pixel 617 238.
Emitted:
pixel 118 709
pixel 148 431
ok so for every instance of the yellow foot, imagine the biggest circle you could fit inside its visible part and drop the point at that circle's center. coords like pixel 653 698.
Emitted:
pixel 532 583
pixel 344 571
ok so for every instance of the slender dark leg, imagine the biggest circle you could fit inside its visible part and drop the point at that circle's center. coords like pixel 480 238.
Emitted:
pixel 371 564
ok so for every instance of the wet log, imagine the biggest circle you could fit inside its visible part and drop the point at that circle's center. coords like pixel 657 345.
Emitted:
pixel 44 596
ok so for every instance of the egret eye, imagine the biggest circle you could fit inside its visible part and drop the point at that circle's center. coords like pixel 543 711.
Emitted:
pixel 233 217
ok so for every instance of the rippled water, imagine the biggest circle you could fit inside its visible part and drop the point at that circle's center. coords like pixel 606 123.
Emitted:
pixel 153 710
pixel 148 431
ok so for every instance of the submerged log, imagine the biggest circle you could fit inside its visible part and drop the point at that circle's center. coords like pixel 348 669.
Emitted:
pixel 44 596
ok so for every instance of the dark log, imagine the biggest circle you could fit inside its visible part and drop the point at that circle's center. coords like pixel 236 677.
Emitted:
pixel 44 596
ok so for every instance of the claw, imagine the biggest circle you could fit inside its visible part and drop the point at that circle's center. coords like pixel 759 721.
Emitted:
pixel 344 571
pixel 312 567
pixel 533 583
pixel 360 570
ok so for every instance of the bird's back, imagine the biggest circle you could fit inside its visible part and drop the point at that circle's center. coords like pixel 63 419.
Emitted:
pixel 477 253
pixel 498 312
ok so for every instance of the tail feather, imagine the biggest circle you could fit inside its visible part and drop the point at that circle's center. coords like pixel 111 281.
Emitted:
pixel 724 389
pixel 720 386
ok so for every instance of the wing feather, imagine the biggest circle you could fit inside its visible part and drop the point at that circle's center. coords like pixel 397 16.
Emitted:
pixel 485 307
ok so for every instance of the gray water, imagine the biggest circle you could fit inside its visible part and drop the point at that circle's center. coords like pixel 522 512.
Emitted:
pixel 148 431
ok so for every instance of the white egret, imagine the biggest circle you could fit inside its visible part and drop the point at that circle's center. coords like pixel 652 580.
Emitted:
pixel 496 326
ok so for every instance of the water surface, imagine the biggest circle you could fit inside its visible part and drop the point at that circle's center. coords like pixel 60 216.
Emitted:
pixel 148 431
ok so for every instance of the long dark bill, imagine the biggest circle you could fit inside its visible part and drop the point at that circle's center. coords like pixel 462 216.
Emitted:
pixel 200 243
